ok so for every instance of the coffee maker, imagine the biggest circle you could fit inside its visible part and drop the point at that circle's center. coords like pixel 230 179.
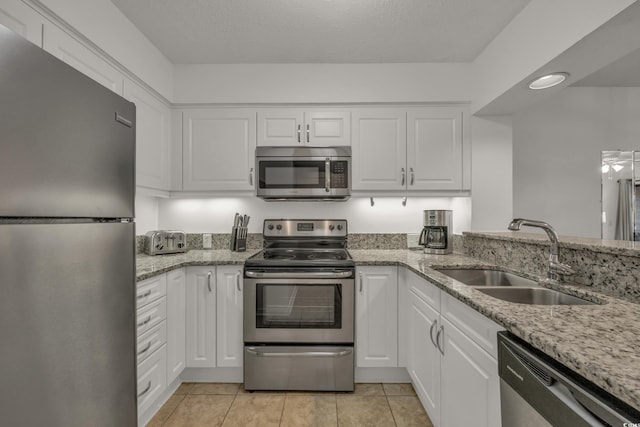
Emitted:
pixel 436 236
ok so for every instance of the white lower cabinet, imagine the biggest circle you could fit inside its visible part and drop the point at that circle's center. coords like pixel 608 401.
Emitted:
pixel 214 317
pixel 176 323
pixel 152 379
pixel 455 373
pixel 376 317
pixel 201 317
pixel 229 316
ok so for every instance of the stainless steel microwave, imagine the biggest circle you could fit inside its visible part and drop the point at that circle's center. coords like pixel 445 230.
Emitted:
pixel 303 173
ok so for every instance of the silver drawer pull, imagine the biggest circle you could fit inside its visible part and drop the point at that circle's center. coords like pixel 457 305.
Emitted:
pixel 433 325
pixel 146 390
pixel 144 322
pixel 209 281
pixel 301 354
pixel 146 294
pixel 143 351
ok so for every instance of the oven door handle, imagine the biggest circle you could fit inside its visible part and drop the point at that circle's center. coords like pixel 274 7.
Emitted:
pixel 341 353
pixel 300 275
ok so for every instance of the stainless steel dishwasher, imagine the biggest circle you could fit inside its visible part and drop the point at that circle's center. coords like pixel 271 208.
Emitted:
pixel 537 391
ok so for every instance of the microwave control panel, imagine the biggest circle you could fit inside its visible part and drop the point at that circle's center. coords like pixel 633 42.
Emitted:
pixel 339 174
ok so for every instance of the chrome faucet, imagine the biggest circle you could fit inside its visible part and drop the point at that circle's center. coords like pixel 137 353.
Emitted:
pixel 556 270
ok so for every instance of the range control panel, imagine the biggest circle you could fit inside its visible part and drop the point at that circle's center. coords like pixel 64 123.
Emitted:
pixel 305 228
pixel 165 242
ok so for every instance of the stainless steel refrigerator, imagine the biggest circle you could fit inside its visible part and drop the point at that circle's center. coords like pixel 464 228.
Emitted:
pixel 67 238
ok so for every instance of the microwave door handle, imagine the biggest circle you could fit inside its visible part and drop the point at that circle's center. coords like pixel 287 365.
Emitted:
pixel 327 175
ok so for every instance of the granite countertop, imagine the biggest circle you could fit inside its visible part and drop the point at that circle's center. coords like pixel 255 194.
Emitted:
pixel 600 342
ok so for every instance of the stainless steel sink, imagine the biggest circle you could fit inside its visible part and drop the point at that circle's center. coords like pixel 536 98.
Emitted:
pixel 534 296
pixel 482 277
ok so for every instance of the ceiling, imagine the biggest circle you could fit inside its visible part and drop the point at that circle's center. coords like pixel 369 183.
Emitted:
pixel 320 31
pixel 625 72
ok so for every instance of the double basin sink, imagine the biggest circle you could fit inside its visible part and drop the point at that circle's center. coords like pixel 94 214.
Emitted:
pixel 511 287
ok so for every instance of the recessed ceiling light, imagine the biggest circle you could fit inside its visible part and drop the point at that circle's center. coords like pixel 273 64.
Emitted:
pixel 548 80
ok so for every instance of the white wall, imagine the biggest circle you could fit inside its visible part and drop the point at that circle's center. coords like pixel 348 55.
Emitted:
pixel 491 173
pixel 328 83
pixel 215 215
pixel 103 23
pixel 557 145
pixel 146 214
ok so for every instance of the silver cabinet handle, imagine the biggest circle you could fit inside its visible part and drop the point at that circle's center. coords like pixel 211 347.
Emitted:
pixel 440 332
pixel 361 275
pixel 308 139
pixel 146 390
pixel 403 176
pixel 238 282
pixel 144 322
pixel 327 175
pixel 433 325
pixel 299 132
pixel 251 177
pixel 209 281
pixel 144 350
pixel 146 294
pixel 413 176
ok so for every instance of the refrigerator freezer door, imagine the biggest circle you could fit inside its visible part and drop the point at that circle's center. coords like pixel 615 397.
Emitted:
pixel 67 143
pixel 67 325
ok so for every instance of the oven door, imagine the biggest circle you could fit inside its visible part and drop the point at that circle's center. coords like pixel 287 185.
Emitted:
pixel 301 310
pixel 297 177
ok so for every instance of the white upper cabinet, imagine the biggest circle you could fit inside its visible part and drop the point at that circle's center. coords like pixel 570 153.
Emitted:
pixel 295 127
pixel 434 148
pixel 22 19
pixel 74 53
pixel 379 149
pixel 152 137
pixel 412 149
pixel 219 149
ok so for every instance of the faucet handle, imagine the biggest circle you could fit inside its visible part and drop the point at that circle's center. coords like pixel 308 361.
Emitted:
pixel 560 268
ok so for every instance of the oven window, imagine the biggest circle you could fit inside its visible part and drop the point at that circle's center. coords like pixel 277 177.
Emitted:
pixel 292 174
pixel 299 306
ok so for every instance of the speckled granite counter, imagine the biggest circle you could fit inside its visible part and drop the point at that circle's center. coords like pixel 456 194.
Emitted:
pixel 601 342
pixel 148 266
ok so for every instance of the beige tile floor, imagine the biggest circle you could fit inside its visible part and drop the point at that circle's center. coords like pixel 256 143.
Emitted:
pixel 224 404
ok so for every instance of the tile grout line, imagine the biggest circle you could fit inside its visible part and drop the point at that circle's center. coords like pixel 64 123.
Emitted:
pixel 172 411
pixel 229 408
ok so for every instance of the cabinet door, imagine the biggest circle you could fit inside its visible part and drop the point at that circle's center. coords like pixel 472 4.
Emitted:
pixel 63 46
pixel 379 149
pixel 434 148
pixel 377 317
pixel 229 301
pixel 281 127
pixel 176 323
pixel 152 137
pixel 201 317
pixel 423 357
pixel 327 129
pixel 471 377
pixel 21 19
pixel 219 149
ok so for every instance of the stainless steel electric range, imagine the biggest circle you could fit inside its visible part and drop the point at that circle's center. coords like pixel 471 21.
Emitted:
pixel 299 308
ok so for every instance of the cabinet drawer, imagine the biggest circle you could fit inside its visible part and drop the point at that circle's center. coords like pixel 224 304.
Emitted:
pixel 429 292
pixel 151 340
pixel 150 315
pixel 477 327
pixel 150 290
pixel 152 378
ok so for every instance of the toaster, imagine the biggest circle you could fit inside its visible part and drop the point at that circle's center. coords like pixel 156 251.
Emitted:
pixel 165 242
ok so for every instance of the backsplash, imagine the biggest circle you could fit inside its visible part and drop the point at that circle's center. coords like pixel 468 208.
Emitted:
pixel 612 269
pixel 254 241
